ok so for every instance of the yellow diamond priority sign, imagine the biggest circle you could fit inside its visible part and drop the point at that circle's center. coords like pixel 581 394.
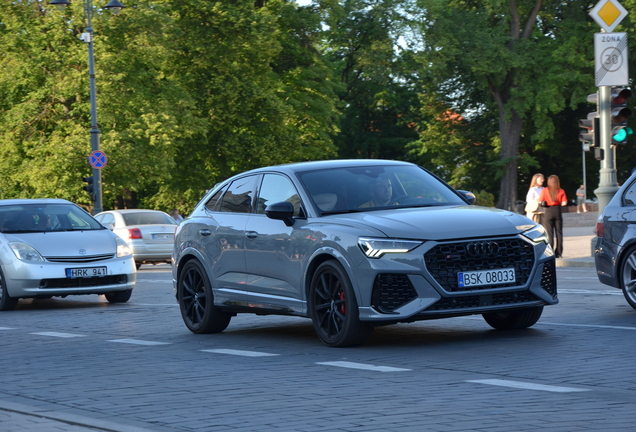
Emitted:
pixel 608 14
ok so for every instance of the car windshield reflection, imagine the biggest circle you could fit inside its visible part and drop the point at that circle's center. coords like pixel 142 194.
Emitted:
pixel 351 190
pixel 33 218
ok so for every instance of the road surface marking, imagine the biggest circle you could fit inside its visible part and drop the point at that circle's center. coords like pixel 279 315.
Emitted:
pixel 138 342
pixel 588 326
pixel 240 352
pixel 7 328
pixel 60 335
pixel 351 365
pixel 527 386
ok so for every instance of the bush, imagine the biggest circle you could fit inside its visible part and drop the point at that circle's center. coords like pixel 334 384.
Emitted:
pixel 484 199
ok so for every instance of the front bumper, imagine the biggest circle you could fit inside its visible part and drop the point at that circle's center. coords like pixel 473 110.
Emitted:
pixel 399 296
pixel 43 278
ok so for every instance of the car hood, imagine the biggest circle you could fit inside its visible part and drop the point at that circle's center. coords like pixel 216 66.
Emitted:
pixel 69 243
pixel 441 223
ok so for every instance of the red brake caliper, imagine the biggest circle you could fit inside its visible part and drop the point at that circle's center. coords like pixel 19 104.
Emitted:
pixel 343 308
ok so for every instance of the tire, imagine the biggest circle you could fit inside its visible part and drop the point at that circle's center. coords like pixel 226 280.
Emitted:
pixel 7 302
pixel 514 320
pixel 118 296
pixel 627 276
pixel 137 265
pixel 197 303
pixel 334 309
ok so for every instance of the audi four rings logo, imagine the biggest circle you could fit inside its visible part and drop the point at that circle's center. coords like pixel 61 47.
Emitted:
pixel 482 248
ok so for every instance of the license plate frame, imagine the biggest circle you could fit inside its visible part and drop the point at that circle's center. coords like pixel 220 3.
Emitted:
pixel 479 278
pixel 86 272
pixel 162 236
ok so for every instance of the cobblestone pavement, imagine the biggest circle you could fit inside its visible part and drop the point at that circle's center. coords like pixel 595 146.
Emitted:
pixel 83 365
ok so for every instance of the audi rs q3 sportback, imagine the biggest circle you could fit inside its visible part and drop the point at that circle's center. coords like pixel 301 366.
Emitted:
pixel 51 247
pixel 354 245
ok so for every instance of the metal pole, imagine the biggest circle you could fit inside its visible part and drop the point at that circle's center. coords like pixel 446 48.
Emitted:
pixel 584 176
pixel 94 132
pixel 607 183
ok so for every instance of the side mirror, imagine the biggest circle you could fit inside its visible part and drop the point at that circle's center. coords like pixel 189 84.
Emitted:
pixel 108 226
pixel 283 210
pixel 468 196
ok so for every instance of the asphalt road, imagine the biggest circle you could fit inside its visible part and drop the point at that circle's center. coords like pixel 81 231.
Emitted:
pixel 80 364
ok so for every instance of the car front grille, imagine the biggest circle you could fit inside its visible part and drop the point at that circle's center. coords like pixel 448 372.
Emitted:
pixel 79 259
pixel 548 278
pixel 472 301
pixel 445 260
pixel 83 282
pixel 390 291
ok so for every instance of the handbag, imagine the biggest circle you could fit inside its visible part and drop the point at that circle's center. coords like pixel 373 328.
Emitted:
pixel 532 206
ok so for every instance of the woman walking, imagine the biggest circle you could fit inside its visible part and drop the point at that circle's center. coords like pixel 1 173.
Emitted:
pixel 553 198
pixel 533 209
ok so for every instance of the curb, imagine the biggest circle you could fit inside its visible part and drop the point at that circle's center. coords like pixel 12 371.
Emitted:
pixel 583 262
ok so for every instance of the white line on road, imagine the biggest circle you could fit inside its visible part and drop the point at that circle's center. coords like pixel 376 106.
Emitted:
pixel 351 365
pixel 527 386
pixel 138 342
pixel 588 326
pixel 7 328
pixel 240 352
pixel 581 291
pixel 60 335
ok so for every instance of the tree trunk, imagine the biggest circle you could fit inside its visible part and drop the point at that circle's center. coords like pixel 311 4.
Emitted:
pixel 510 135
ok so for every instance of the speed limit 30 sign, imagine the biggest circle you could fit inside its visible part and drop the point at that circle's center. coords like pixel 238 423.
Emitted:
pixel 610 59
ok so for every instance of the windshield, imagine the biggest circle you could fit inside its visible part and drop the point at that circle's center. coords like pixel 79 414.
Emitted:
pixel 343 190
pixel 25 218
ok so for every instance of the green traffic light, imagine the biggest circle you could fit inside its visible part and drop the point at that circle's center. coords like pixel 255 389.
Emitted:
pixel 622 134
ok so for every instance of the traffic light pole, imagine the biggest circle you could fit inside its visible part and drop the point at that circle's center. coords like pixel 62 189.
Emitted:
pixel 607 175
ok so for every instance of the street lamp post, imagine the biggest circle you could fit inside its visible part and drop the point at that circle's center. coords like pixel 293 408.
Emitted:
pixel 115 7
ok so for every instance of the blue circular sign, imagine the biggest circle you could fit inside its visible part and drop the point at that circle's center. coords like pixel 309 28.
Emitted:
pixel 98 159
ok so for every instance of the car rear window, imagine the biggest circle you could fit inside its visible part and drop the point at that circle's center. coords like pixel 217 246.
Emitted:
pixel 148 218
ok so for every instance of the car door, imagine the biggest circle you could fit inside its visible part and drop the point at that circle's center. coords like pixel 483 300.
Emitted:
pixel 222 239
pixel 273 250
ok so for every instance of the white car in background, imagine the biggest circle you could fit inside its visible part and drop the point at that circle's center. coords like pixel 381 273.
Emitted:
pixel 149 233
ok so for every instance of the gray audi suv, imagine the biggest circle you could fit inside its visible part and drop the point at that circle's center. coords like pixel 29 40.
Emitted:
pixel 355 244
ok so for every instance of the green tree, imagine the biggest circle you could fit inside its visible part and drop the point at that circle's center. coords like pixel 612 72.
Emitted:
pixel 525 56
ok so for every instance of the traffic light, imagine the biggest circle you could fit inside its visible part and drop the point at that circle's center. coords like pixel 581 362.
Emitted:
pixel 620 114
pixel 591 133
pixel 89 186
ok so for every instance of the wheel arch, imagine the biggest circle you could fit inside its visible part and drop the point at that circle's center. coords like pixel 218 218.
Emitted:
pixel 321 257
pixel 622 256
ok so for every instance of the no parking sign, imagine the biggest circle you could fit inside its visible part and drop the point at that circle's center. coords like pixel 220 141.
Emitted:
pixel 98 159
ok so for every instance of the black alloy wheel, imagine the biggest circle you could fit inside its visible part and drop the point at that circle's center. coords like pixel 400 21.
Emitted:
pixel 334 309
pixel 6 302
pixel 628 277
pixel 196 302
pixel 514 320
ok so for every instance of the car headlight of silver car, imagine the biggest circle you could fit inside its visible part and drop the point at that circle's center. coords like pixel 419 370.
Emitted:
pixel 122 247
pixel 375 247
pixel 537 234
pixel 24 252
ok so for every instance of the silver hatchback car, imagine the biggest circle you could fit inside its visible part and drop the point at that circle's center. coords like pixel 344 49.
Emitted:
pixel 51 247
pixel 353 245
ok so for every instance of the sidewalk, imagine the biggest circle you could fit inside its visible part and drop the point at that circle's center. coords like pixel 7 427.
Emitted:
pixel 578 233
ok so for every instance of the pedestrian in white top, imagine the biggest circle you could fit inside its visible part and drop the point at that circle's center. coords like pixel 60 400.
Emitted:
pixel 533 206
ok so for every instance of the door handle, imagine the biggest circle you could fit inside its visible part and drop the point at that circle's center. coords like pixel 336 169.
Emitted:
pixel 251 234
pixel 205 232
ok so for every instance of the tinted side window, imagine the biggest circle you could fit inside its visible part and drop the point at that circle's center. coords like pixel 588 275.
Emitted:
pixel 211 204
pixel 239 196
pixel 276 188
pixel 629 198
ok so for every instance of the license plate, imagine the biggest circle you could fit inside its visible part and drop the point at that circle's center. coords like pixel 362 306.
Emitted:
pixel 87 272
pixel 486 277
pixel 162 236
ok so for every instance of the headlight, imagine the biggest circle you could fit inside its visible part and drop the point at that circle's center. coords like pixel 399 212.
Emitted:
pixel 375 248
pixel 25 252
pixel 122 247
pixel 537 234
